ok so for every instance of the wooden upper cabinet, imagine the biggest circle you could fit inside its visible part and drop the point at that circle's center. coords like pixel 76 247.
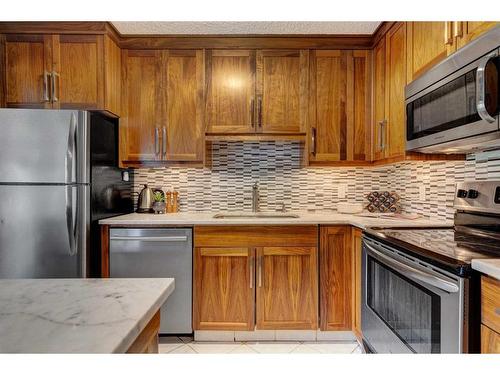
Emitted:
pixel 78 65
pixel 230 81
pixel 140 122
pixel 466 31
pixel 224 289
pixel 379 118
pixel 340 95
pixel 282 91
pixel 287 288
pixel 183 106
pixel 427 44
pixel 62 71
pixel 335 260
pixel 395 76
pixel 28 61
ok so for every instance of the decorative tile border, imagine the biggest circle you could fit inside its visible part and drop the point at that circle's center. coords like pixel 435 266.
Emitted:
pixel 236 166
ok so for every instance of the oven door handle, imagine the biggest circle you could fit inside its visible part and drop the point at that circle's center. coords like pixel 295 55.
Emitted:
pixel 413 273
pixel 481 89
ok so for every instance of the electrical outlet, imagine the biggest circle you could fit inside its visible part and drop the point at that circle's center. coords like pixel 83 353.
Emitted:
pixel 421 192
pixel 341 191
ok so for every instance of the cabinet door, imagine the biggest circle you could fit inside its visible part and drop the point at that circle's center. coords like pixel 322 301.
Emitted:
pixel 427 44
pixel 335 261
pixel 79 63
pixel 141 107
pixel 467 31
pixel 282 91
pixel 224 289
pixel 378 133
pixel 328 87
pixel 395 90
pixel 287 290
pixel 182 94
pixel 490 341
pixel 230 106
pixel 356 282
pixel 28 59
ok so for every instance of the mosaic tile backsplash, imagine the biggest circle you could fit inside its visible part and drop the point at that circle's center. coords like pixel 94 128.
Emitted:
pixel 236 166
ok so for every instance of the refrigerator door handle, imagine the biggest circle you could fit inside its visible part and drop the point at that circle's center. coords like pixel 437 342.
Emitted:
pixel 70 151
pixel 70 220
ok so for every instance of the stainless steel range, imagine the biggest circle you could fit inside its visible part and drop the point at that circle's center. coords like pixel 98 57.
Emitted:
pixel 420 294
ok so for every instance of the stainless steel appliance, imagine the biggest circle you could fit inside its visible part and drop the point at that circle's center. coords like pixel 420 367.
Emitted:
pixel 420 294
pixel 453 108
pixel 58 177
pixel 158 252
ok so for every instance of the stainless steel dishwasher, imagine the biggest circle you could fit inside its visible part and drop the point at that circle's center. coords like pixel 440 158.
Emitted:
pixel 158 252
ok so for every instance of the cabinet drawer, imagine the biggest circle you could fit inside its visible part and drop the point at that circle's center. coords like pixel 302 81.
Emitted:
pixel 490 303
pixel 490 340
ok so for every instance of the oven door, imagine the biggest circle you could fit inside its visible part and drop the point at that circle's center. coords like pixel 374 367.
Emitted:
pixel 408 307
pixel 462 105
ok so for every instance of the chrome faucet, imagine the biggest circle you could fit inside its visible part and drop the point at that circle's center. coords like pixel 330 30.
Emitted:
pixel 255 197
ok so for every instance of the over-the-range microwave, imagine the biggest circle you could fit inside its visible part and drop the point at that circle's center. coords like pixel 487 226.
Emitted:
pixel 454 107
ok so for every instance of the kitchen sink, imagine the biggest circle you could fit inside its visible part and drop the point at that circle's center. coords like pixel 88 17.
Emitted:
pixel 257 215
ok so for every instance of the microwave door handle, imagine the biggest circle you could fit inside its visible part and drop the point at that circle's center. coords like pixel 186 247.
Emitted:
pixel 413 273
pixel 481 88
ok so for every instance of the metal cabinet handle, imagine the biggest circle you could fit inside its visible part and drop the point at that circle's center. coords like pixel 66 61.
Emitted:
pixel 413 273
pixel 45 96
pixel 55 93
pixel 313 141
pixel 164 142
pixel 250 261
pixel 481 89
pixel 259 272
pixel 383 125
pixel 252 112
pixel 151 239
pixel 157 141
pixel 259 112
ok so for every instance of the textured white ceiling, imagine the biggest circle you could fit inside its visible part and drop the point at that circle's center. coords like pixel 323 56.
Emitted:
pixel 200 28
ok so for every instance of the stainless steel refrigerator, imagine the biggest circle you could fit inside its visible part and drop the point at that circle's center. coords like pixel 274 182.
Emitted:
pixel 58 176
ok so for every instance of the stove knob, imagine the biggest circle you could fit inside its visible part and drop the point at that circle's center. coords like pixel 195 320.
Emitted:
pixel 472 194
pixel 461 193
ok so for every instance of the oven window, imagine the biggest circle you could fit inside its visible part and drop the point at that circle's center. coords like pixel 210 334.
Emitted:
pixel 411 311
pixel 447 107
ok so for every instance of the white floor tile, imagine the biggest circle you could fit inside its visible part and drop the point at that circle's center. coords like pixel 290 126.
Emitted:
pixel 167 348
pixel 273 347
pixel 304 349
pixel 244 349
pixel 332 348
pixel 214 348
pixel 186 339
pixel 358 350
pixel 183 349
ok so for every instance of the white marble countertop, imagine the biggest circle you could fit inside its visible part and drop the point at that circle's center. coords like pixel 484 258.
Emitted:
pixel 313 218
pixel 490 267
pixel 77 315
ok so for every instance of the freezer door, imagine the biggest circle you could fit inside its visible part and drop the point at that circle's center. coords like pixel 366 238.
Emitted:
pixel 43 231
pixel 43 146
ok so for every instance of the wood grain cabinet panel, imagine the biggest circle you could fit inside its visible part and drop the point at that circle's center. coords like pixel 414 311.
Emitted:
pixel 287 288
pixel 379 117
pixel 467 31
pixel 490 341
pixel 335 260
pixel 182 93
pixel 224 294
pixel 490 302
pixel 282 91
pixel 27 57
pixel 427 44
pixel 141 106
pixel 230 81
pixel 356 281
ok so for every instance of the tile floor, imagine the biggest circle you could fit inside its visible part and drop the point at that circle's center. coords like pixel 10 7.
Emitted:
pixel 186 345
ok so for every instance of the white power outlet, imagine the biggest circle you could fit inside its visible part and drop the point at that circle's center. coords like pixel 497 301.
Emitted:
pixel 421 192
pixel 341 191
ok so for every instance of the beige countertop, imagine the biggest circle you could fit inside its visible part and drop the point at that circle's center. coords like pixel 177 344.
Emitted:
pixel 305 218
pixel 490 267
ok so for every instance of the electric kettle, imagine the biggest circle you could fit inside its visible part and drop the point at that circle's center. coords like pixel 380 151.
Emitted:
pixel 145 203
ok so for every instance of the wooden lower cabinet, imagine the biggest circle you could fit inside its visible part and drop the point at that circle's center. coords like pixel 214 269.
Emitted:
pixel 356 241
pixel 490 315
pixel 224 297
pixel 147 341
pixel 287 288
pixel 490 341
pixel 335 275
